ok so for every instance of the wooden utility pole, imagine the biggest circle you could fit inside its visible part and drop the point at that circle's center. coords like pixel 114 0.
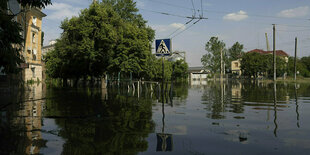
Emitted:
pixel 274 54
pixel 295 69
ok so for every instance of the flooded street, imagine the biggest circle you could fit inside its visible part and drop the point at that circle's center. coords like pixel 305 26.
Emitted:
pixel 231 117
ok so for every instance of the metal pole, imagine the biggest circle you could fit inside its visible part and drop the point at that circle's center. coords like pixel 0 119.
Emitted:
pixel 163 66
pixel 295 69
pixel 274 54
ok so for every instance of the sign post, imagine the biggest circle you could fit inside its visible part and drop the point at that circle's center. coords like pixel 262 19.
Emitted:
pixel 163 48
pixel 164 140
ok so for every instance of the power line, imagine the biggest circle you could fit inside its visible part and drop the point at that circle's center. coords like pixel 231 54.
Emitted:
pixel 168 14
pixel 188 17
pixel 186 28
pixel 294 30
pixel 225 12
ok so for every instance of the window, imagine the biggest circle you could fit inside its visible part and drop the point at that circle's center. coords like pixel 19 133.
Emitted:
pixel 33 72
pixel 34 54
pixel 34 20
pixel 33 37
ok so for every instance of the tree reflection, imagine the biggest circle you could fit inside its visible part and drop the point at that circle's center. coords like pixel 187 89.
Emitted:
pixel 215 99
pixel 118 125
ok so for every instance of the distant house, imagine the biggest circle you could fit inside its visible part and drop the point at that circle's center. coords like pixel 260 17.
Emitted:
pixel 236 67
pixel 236 64
pixel 280 53
pixel 49 47
pixel 197 73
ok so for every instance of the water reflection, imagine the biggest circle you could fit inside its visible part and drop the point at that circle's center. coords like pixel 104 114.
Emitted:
pixel 179 118
pixel 23 123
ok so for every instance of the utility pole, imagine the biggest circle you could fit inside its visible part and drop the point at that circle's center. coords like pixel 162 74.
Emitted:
pixel 274 54
pixel 221 64
pixel 295 59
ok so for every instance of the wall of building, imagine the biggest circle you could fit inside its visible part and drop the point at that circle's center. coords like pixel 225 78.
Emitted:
pixel 37 73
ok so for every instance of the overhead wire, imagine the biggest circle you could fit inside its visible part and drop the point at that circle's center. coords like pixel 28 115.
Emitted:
pixel 226 12
pixel 183 30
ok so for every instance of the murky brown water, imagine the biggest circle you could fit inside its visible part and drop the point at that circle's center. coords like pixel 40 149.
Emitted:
pixel 198 118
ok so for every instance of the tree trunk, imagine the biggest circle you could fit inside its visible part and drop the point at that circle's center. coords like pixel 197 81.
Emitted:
pixel 64 82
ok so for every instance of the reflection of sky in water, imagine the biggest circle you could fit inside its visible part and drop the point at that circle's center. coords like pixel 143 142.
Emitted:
pixel 55 143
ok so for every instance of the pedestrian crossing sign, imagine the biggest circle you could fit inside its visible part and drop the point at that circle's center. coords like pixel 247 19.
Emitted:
pixel 163 47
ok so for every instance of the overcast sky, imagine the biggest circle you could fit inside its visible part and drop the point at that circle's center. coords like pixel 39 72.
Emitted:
pixel 245 21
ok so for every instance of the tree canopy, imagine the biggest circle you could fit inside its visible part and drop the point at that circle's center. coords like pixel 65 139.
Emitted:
pixel 108 37
pixel 255 64
pixel 212 60
pixel 236 51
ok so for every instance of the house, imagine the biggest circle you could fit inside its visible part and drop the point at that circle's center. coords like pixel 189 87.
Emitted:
pixel 31 22
pixel 236 64
pixel 49 47
pixel 197 73
pixel 279 53
pixel 236 67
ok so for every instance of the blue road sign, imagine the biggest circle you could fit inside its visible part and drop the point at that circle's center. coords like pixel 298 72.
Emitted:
pixel 163 47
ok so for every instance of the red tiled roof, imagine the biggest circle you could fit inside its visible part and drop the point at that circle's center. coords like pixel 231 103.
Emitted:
pixel 278 52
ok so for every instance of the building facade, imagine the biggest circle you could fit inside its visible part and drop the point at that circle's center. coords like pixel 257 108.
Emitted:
pixel 49 47
pixel 236 67
pixel 31 22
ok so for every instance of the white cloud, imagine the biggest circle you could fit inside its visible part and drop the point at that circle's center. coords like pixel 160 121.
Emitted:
pixel 241 15
pixel 59 11
pixel 168 28
pixel 295 12
pixel 178 25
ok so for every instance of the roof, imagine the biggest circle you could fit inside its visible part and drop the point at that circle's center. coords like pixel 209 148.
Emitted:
pixel 278 52
pixel 195 68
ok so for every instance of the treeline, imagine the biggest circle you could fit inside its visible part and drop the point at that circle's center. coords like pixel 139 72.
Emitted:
pixel 252 64
pixel 107 38
pixel 255 64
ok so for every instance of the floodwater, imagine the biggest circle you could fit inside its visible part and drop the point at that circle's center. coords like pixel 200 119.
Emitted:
pixel 231 117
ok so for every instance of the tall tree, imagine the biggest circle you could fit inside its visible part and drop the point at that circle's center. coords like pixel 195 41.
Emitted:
pixel 212 60
pixel 236 51
pixel 108 37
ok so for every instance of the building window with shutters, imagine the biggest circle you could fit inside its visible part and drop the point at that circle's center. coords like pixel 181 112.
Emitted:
pixel 33 37
pixel 34 21
pixel 33 72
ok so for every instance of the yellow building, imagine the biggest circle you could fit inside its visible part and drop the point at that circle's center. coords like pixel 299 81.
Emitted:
pixel 236 67
pixel 31 22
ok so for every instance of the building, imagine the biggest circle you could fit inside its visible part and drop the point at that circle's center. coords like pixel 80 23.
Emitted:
pixel 236 64
pixel 236 67
pixel 279 53
pixel 31 22
pixel 49 47
pixel 197 73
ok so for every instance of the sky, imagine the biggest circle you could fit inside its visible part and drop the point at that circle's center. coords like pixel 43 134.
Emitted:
pixel 243 21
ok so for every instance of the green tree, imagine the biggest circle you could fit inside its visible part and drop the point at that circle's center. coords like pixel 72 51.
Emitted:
pixel 212 60
pixel 300 66
pixel 236 51
pixel 108 37
pixel 180 69
pixel 10 39
pixel 255 64
pixel 306 62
